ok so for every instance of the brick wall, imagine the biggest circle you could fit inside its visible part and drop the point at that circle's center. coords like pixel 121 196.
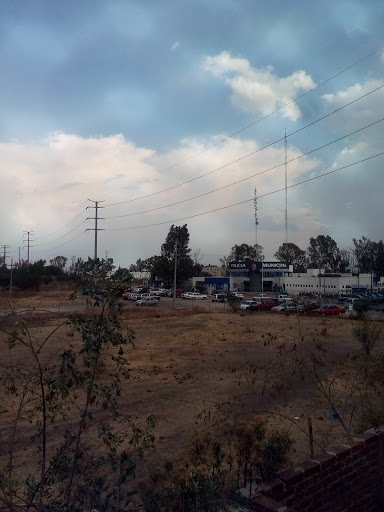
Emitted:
pixel 346 478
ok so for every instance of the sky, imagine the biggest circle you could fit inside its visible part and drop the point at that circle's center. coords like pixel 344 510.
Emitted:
pixel 148 114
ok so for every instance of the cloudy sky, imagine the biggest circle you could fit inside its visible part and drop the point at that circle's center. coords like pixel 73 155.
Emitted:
pixel 174 111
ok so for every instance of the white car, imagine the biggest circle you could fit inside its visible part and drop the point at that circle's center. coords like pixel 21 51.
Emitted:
pixel 244 305
pixel 236 295
pixel 194 296
pixel 147 301
pixel 261 296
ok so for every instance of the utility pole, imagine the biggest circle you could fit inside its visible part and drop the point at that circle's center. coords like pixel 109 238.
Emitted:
pixel 5 247
pixel 174 278
pixel 29 233
pixel 10 281
pixel 95 218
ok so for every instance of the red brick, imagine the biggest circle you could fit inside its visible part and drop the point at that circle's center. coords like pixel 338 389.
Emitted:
pixel 291 476
pixel 310 467
pixel 341 451
pixel 368 438
pixel 356 446
pixel 273 487
pixel 265 504
pixel 325 459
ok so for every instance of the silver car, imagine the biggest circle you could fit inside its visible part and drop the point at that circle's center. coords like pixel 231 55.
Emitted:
pixel 147 301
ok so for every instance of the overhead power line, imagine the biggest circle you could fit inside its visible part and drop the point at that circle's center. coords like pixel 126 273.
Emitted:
pixel 63 236
pixel 248 177
pixel 271 113
pixel 65 225
pixel 248 154
pixel 251 199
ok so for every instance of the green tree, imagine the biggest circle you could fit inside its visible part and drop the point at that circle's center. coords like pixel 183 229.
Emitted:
pixel 178 237
pixel 29 275
pixel 323 252
pixel 292 254
pixel 365 251
pixel 139 266
pixel 84 463
pixel 243 252
pixel 59 261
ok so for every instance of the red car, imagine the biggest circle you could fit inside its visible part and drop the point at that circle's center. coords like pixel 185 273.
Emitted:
pixel 329 309
pixel 263 305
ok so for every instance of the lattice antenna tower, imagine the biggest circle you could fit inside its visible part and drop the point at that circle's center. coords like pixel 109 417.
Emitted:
pixel 256 217
pixel 286 189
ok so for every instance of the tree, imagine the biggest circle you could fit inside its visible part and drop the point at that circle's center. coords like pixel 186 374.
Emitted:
pixel 365 252
pixel 29 275
pixel 59 261
pixel 241 253
pixel 178 236
pixel 82 465
pixel 323 252
pixel 139 266
pixel 293 255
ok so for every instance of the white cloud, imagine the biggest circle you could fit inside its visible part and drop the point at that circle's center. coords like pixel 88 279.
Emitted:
pixel 259 90
pixel 48 184
pixel 175 45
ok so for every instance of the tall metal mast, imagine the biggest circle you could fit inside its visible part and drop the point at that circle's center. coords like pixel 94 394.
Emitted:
pixel 286 190
pixel 256 218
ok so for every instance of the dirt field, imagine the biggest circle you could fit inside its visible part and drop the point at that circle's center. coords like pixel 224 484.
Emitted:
pixel 189 360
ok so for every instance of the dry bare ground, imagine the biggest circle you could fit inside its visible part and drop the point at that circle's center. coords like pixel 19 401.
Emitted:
pixel 193 362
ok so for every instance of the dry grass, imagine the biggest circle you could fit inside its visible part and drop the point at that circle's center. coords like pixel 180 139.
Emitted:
pixel 188 361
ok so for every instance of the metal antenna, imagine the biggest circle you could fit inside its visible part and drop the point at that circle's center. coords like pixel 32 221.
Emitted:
pixel 256 218
pixel 286 190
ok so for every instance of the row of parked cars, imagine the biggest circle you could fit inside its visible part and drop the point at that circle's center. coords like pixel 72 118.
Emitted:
pixel 288 306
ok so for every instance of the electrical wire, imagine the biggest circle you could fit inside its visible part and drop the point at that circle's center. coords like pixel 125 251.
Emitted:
pixel 271 113
pixel 67 224
pixel 252 199
pixel 65 243
pixel 66 234
pixel 249 154
pixel 248 177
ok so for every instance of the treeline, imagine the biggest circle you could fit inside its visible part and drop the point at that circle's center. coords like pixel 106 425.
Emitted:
pixel 364 255
pixel 30 276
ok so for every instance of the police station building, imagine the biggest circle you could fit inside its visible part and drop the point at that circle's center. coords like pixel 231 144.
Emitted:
pixel 258 276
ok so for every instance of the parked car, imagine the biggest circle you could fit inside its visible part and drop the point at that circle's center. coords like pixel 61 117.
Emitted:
pixel 245 304
pixel 307 308
pixel 330 309
pixel 147 301
pixel 179 292
pixel 283 297
pixel 194 296
pixel 261 296
pixel 284 307
pixel 219 297
pixel 235 295
pixel 348 304
pixel 150 295
pixel 263 305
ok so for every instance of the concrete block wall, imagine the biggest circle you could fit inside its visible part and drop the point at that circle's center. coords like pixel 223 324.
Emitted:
pixel 346 478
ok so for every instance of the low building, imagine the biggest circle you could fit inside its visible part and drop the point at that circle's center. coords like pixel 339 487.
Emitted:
pixel 214 270
pixel 277 276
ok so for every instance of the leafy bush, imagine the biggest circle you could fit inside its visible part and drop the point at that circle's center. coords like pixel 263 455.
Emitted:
pixel 215 466
pixel 67 402
pixel 367 334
